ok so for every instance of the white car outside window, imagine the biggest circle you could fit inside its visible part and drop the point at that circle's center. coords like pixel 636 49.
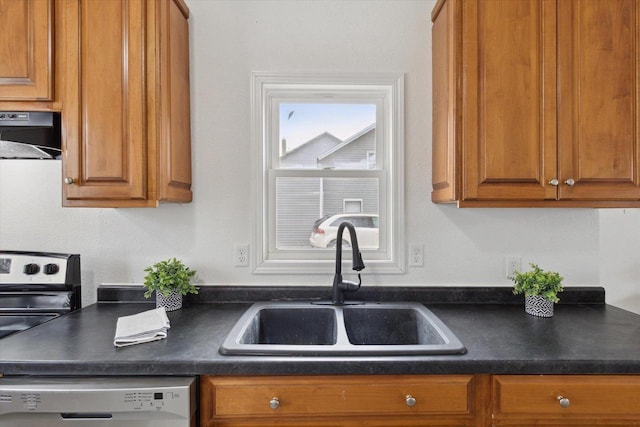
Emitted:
pixel 325 231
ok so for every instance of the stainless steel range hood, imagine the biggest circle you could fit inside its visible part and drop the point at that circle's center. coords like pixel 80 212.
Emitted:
pixel 30 135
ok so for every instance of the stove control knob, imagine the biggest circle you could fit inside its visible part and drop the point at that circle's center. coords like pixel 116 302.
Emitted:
pixel 30 269
pixel 51 269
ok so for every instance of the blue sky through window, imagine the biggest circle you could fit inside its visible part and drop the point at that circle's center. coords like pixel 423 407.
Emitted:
pixel 300 122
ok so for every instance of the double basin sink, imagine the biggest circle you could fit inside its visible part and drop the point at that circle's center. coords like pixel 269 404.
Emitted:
pixel 317 329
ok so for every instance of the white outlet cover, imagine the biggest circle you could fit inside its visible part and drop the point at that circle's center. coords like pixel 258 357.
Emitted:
pixel 241 255
pixel 416 255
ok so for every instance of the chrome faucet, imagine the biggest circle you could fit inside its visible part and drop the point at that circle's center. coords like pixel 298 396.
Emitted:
pixel 341 286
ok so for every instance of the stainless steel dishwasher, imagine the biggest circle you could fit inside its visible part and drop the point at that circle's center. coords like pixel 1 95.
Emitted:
pixel 105 401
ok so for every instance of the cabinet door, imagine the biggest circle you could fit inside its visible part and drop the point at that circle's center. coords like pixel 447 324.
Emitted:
pixel 26 50
pixel 445 148
pixel 509 99
pixel 104 111
pixel 576 400
pixel 169 96
pixel 599 140
pixel 438 400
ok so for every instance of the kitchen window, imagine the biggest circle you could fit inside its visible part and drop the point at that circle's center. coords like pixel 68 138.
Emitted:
pixel 324 146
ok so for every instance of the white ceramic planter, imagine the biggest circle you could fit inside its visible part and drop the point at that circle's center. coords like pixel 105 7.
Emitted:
pixel 538 306
pixel 171 302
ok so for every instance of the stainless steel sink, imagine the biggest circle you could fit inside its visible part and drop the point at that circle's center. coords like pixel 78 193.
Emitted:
pixel 312 329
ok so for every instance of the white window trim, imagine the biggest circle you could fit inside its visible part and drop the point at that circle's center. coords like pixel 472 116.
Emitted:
pixel 262 261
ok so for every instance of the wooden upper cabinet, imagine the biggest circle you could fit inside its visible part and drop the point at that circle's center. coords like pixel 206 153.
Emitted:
pixel 509 112
pixel 172 100
pixel 104 110
pixel 26 49
pixel 535 103
pixel 598 101
pixel 126 103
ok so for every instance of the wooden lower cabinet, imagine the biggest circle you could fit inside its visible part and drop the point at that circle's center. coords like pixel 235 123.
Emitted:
pixel 420 400
pixel 380 400
pixel 566 400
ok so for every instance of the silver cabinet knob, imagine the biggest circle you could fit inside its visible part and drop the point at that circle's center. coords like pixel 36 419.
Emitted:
pixel 563 401
pixel 274 403
pixel 570 182
pixel 69 180
pixel 554 182
pixel 410 400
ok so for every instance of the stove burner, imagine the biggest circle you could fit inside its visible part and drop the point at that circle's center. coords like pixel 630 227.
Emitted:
pixel 10 323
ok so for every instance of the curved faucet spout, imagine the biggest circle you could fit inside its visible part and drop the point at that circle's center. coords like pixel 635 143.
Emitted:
pixel 341 286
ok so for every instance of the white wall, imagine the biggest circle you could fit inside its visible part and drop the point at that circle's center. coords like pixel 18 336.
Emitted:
pixel 620 257
pixel 229 39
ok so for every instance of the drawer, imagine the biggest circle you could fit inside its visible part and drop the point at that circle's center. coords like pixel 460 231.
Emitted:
pixel 586 395
pixel 332 395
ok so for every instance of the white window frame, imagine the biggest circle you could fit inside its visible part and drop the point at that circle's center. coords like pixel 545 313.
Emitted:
pixel 267 89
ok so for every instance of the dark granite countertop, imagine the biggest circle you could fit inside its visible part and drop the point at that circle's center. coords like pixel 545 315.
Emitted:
pixel 585 336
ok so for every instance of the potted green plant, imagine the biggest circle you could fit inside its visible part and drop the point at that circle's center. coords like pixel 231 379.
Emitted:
pixel 170 279
pixel 540 289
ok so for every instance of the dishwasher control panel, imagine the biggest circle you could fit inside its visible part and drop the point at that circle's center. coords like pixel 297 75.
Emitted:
pixel 150 399
pixel 118 398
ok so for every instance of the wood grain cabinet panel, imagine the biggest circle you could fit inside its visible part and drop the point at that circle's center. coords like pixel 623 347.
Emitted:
pixel 26 49
pixel 536 103
pixel 581 400
pixel 446 400
pixel 126 103
pixel 598 99
pixel 440 400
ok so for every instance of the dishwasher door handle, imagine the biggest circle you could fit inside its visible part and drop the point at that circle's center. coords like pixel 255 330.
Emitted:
pixel 86 415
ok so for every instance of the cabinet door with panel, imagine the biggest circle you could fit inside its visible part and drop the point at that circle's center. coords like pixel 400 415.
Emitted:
pixel 599 100
pixel 567 400
pixel 536 103
pixel 494 131
pixel 26 49
pixel 508 122
pixel 447 400
pixel 126 104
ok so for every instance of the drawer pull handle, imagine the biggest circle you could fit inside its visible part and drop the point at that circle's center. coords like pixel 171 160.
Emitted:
pixel 274 403
pixel 410 400
pixel 570 182
pixel 563 401
pixel 68 180
pixel 554 182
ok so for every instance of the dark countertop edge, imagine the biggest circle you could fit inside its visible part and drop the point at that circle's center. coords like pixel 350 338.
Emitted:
pixel 423 294
pixel 327 367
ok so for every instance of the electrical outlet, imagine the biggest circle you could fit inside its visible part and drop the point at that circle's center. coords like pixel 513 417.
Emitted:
pixel 513 263
pixel 241 255
pixel 416 255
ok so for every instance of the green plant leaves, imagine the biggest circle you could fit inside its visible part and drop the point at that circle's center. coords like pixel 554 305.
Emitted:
pixel 167 276
pixel 538 282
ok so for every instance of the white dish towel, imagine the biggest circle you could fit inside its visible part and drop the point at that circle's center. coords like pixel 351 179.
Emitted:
pixel 151 325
